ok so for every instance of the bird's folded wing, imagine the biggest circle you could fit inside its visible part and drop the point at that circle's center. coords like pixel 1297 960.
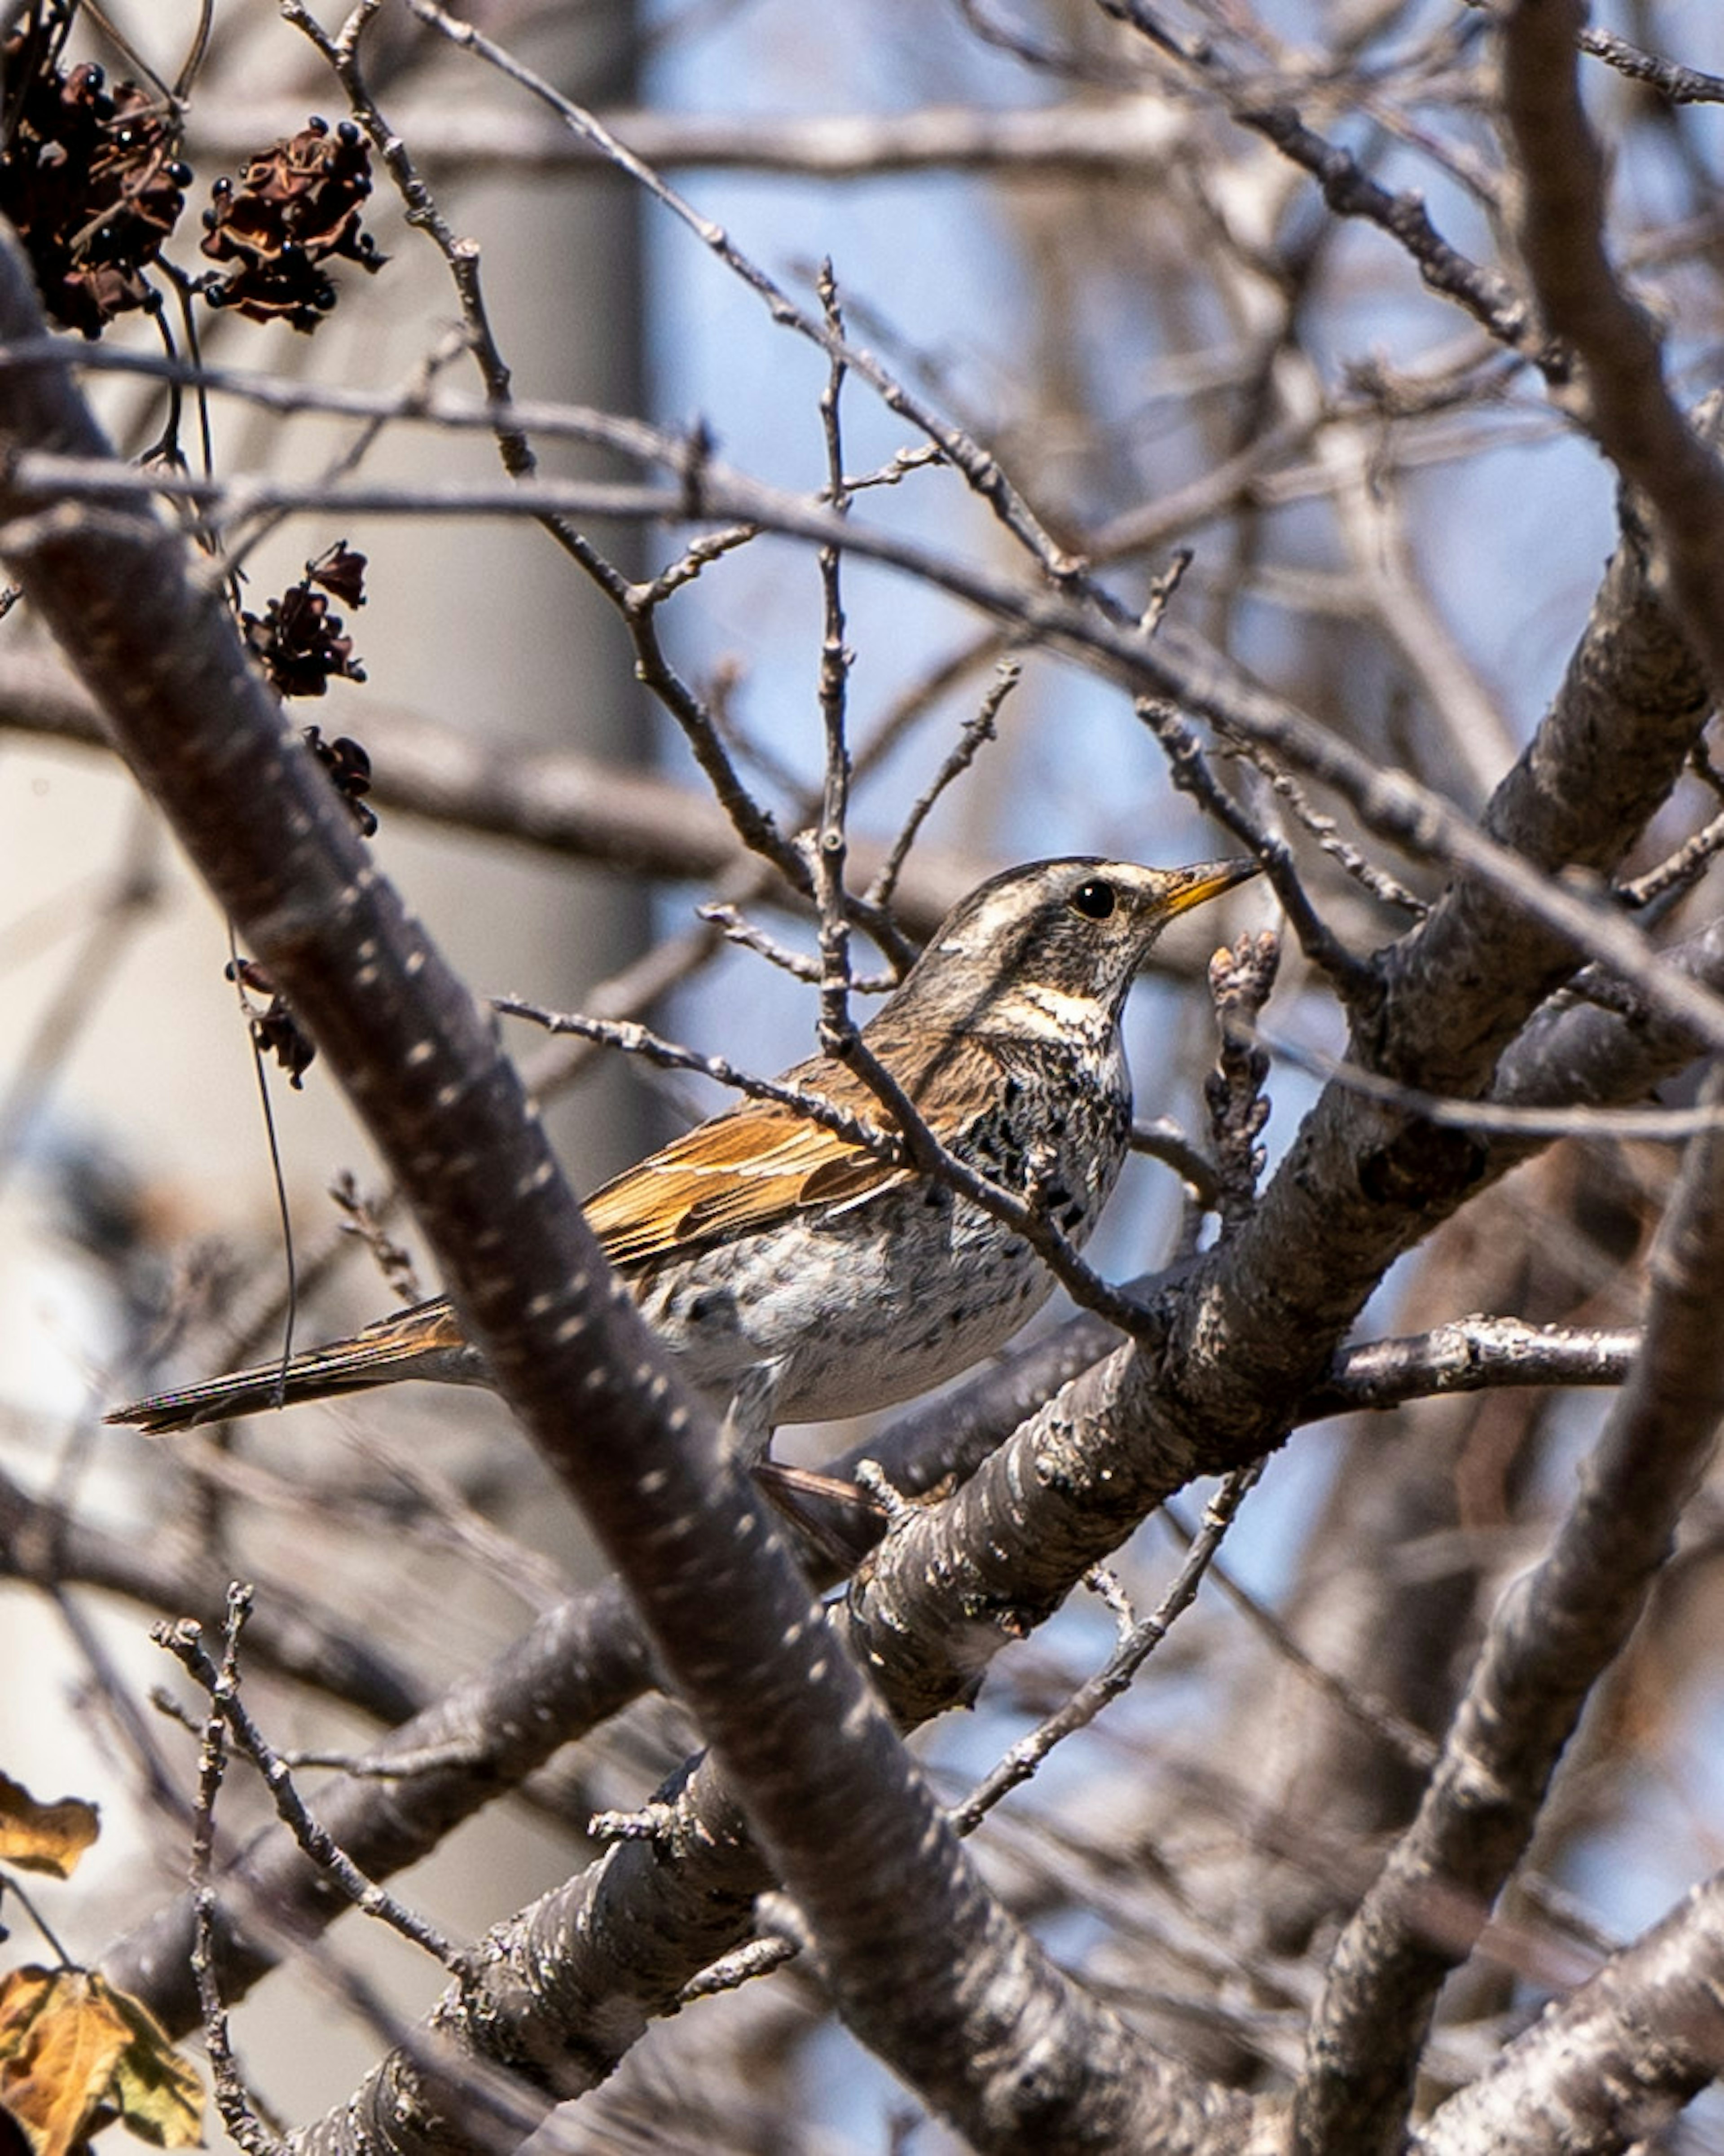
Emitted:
pixel 741 1172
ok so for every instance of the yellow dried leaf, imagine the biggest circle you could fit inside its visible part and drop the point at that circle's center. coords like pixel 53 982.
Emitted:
pixel 44 1837
pixel 158 2094
pixel 60 2041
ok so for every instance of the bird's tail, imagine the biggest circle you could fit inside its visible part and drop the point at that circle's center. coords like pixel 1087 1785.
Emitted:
pixel 425 1342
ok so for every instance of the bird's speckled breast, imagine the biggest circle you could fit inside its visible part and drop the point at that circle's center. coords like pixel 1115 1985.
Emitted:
pixel 861 1306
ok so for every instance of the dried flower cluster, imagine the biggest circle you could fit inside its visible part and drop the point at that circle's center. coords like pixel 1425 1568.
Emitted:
pixel 349 768
pixel 295 207
pixel 93 183
pixel 90 181
pixel 298 641
pixel 277 1031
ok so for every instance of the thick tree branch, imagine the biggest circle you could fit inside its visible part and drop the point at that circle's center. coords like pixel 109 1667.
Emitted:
pixel 1556 1629
pixel 1608 2067
pixel 1471 1355
pixel 42 1544
pixel 1099 138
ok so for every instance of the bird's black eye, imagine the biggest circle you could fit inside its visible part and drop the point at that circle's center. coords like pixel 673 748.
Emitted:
pixel 1094 899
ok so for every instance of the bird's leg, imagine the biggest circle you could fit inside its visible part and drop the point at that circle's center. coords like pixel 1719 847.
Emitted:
pixel 812 1505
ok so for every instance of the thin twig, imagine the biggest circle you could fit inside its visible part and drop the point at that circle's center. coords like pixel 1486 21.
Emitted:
pixel 233 2100
pixel 636 1039
pixel 1354 980
pixel 732 925
pixel 185 1643
pixel 980 470
pixel 1137 1642
pixel 1681 85
pixel 1371 1713
pixel 1346 188
pixel 1240 979
pixel 1008 674
pixel 1681 872
pixel 1653 1125
pixel 830 845
pixel 1163 1140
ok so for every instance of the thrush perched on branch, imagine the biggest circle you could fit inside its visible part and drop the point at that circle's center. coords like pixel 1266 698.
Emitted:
pixel 796 1275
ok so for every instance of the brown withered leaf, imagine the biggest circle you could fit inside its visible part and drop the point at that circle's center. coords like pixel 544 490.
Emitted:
pixel 39 1837
pixel 60 2041
pixel 158 2094
pixel 74 2052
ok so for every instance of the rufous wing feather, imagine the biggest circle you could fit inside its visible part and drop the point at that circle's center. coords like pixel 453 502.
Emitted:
pixel 741 1173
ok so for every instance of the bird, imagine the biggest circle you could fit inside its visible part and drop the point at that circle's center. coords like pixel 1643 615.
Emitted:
pixel 794 1274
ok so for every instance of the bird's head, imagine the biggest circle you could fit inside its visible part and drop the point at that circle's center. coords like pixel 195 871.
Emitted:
pixel 1052 945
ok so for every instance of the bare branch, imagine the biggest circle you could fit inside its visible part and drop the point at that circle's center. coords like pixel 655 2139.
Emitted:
pixel 1608 2067
pixel 554 800
pixel 313 1839
pixel 1681 85
pixel 965 455
pixel 1619 392
pixel 1106 137
pixel 1137 1642
pixel 1554 1633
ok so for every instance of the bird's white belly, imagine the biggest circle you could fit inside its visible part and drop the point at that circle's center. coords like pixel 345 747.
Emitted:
pixel 849 1321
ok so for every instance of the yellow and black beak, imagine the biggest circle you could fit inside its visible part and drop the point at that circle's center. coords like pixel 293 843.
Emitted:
pixel 1182 889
